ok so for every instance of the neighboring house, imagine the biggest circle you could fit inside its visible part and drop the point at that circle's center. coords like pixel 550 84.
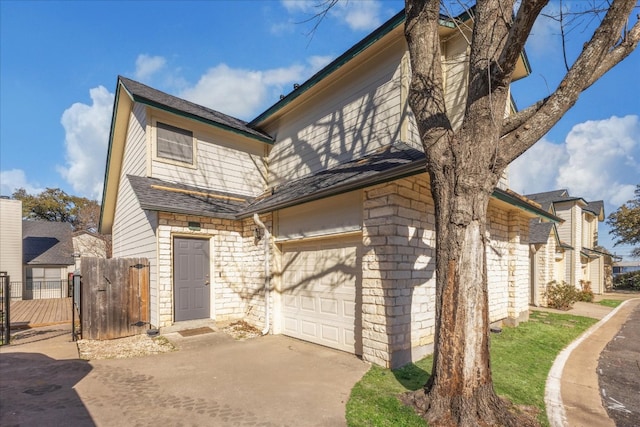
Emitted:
pixel 11 243
pixel 548 258
pixel 87 244
pixel 335 172
pixel 47 257
pixel 570 253
pixel 622 267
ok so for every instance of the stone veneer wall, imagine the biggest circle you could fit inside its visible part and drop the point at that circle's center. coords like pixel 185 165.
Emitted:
pixel 398 286
pixel 498 263
pixel 236 263
pixel 519 269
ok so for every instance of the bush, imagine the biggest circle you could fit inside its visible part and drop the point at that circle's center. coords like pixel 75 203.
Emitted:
pixel 630 281
pixel 586 294
pixel 561 296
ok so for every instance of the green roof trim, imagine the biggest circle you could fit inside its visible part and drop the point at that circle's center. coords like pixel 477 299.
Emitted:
pixel 110 141
pixel 347 56
pixel 197 118
pixel 522 204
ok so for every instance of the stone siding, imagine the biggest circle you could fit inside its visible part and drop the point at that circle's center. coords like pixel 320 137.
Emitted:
pixel 237 269
pixel 398 285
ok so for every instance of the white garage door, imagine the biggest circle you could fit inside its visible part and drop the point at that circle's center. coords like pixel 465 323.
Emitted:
pixel 319 301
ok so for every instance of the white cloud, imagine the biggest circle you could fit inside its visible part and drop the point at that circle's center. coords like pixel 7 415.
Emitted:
pixel 545 34
pixel 604 159
pixel 535 171
pixel 13 179
pixel 358 15
pixel 242 93
pixel 600 160
pixel 87 133
pixel 317 62
pixel 147 66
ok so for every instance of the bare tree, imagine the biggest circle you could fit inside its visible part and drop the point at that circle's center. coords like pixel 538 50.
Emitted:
pixel 466 163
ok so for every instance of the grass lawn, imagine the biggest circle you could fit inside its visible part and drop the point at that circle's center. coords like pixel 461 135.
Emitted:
pixel 520 358
pixel 610 302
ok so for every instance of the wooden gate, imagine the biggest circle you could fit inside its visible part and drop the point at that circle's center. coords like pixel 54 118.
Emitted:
pixel 115 297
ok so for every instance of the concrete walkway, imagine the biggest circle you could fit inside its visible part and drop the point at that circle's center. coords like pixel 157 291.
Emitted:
pixel 572 392
pixel 211 380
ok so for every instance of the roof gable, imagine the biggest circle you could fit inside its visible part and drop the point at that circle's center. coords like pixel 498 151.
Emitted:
pixel 45 242
pixel 158 99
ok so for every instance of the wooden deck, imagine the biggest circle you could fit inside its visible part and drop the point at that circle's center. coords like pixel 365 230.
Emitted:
pixel 40 312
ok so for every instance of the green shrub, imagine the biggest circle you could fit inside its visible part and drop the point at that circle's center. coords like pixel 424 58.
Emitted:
pixel 561 295
pixel 630 281
pixel 586 294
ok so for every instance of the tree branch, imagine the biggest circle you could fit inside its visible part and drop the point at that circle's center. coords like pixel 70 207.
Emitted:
pixel 520 29
pixel 599 55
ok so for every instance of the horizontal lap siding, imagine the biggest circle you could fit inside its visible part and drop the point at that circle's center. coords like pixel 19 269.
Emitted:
pixel 456 73
pixel 134 229
pixel 355 115
pixel 224 162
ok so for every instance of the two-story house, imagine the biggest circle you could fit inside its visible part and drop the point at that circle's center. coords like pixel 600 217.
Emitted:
pixel 315 219
pixel 571 254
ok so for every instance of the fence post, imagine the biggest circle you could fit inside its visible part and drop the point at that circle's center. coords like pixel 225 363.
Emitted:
pixel 6 302
pixel 76 287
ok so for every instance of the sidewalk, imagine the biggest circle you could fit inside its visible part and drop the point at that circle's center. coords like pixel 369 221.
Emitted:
pixel 572 393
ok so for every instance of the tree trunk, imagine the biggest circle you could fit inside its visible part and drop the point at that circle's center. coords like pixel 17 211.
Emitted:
pixel 460 389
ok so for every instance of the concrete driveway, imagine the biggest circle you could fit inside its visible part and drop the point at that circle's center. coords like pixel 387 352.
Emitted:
pixel 213 380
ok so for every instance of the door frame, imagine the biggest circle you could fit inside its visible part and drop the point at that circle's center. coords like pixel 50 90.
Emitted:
pixel 208 238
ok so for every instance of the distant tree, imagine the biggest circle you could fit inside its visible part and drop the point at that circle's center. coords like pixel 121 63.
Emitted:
pixel 53 204
pixel 625 223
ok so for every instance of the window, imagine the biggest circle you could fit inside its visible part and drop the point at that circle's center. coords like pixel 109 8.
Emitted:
pixel 174 143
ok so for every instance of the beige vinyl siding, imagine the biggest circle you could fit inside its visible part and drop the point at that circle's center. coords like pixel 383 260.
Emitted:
pixel 588 231
pixel 11 238
pixel 356 113
pixel 224 161
pixel 334 215
pixel 134 229
pixel 456 75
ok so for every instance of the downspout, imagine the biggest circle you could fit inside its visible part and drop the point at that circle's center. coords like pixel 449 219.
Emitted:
pixel 267 276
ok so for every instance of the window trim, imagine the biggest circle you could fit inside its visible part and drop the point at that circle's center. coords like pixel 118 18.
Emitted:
pixel 176 162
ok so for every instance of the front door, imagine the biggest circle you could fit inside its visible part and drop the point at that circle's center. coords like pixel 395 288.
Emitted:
pixel 191 279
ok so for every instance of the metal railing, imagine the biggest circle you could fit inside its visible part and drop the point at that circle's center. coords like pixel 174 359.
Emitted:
pixel 45 289
pixel 5 317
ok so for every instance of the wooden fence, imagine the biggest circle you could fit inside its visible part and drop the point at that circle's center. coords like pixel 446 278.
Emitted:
pixel 115 297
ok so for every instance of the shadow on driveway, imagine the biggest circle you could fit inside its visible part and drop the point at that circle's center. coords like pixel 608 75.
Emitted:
pixel 36 390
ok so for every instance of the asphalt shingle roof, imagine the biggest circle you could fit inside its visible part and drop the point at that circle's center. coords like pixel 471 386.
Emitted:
pixel 596 207
pixel 546 199
pixel 539 231
pixel 157 195
pixel 386 159
pixel 45 242
pixel 140 90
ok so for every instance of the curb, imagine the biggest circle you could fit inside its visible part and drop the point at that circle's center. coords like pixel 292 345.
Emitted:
pixel 552 395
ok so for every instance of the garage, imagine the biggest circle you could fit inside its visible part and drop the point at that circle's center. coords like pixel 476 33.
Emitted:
pixel 322 282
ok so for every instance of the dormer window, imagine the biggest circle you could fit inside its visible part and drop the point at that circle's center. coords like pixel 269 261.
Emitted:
pixel 174 143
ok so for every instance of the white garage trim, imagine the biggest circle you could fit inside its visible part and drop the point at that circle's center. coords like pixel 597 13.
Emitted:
pixel 321 292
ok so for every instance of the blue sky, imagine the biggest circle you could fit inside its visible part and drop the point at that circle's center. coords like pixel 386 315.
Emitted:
pixel 59 62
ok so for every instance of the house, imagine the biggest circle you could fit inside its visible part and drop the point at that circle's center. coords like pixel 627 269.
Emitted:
pixel 87 244
pixel 622 267
pixel 47 258
pixel 567 251
pixel 11 242
pixel 315 219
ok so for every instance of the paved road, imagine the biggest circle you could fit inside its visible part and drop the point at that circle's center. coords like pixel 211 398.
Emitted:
pixel 619 373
